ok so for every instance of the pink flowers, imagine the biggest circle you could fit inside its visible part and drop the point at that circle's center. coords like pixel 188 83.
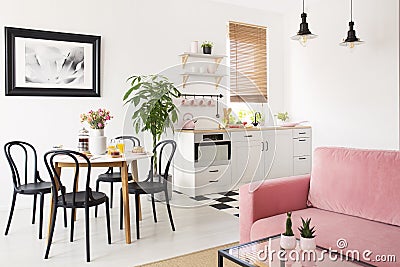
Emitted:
pixel 96 119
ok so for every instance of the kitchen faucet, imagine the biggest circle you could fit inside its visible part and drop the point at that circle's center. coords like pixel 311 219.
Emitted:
pixel 255 122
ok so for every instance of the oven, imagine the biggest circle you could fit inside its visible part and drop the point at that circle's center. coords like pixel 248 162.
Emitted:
pixel 212 149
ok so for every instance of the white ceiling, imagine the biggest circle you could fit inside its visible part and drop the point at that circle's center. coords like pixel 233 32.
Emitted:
pixel 278 6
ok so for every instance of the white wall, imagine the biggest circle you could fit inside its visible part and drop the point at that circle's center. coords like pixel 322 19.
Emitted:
pixel 138 37
pixel 351 99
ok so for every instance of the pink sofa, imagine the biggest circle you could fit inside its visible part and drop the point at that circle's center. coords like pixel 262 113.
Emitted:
pixel 351 194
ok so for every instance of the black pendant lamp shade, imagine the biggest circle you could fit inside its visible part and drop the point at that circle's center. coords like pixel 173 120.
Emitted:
pixel 304 33
pixel 351 39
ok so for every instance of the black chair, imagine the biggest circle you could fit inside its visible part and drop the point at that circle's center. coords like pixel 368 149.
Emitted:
pixel 74 199
pixel 153 184
pixel 37 187
pixel 115 177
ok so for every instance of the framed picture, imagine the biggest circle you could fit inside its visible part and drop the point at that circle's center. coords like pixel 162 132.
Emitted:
pixel 44 63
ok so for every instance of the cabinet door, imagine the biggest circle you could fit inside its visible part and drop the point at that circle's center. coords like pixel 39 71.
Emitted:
pixel 247 162
pixel 278 154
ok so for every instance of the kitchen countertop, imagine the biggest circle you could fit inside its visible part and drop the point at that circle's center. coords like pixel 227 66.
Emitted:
pixel 263 128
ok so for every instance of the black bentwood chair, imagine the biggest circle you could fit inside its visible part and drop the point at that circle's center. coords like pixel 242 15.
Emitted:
pixel 153 184
pixel 74 199
pixel 115 177
pixel 37 187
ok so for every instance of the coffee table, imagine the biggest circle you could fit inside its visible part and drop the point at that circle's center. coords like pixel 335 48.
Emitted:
pixel 253 254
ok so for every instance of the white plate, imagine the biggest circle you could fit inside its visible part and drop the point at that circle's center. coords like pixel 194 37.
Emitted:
pixel 139 153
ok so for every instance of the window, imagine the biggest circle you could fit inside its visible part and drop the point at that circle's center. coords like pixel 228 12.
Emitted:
pixel 248 62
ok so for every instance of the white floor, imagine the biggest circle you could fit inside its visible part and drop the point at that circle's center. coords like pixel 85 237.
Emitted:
pixel 197 228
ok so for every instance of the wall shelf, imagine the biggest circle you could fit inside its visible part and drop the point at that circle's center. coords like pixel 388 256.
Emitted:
pixel 218 77
pixel 185 56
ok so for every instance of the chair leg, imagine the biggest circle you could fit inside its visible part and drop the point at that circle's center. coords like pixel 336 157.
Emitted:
pixel 169 210
pixel 41 216
pixel 108 222
pixel 87 234
pixel 111 195
pixel 97 190
pixel 154 208
pixel 121 211
pixel 34 208
pixel 65 217
pixel 71 237
pixel 53 223
pixel 137 196
pixel 11 212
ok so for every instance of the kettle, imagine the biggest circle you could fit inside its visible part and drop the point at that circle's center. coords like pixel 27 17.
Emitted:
pixel 188 122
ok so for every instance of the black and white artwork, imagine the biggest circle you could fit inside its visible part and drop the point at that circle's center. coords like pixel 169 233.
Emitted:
pixel 51 63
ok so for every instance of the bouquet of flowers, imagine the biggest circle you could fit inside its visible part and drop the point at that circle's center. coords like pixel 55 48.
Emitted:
pixel 96 119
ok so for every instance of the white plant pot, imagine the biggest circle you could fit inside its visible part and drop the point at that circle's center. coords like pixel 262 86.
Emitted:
pixel 288 242
pixel 97 142
pixel 307 243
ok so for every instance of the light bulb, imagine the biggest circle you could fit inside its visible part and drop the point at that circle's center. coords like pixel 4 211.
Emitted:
pixel 303 40
pixel 351 45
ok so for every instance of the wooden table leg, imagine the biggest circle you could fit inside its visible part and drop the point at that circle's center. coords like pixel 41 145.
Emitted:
pixel 125 198
pixel 135 176
pixel 58 172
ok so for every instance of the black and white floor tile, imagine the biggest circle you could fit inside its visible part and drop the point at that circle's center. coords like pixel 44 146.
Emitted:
pixel 227 202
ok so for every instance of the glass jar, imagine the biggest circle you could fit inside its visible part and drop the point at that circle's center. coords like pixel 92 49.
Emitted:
pixel 83 140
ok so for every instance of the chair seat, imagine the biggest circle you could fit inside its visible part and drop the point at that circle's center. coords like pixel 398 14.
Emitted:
pixel 98 198
pixel 145 187
pixel 34 188
pixel 112 177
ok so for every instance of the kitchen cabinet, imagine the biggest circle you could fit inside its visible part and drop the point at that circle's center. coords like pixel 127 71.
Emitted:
pixel 301 151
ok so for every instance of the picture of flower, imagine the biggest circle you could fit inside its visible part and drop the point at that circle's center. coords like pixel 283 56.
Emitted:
pixel 96 119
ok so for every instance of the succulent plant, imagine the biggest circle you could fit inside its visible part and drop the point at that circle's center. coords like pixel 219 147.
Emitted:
pixel 305 230
pixel 289 231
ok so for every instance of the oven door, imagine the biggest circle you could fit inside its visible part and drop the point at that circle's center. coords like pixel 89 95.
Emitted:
pixel 212 153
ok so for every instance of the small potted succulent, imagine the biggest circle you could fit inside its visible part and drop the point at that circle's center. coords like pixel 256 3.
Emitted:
pixel 288 240
pixel 307 237
pixel 207 46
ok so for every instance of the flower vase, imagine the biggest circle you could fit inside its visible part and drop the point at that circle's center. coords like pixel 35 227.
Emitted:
pixel 97 142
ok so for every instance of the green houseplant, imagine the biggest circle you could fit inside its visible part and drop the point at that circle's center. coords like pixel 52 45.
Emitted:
pixel 152 97
pixel 288 240
pixel 307 235
pixel 207 47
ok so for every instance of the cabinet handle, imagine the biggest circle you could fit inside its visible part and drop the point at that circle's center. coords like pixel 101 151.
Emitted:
pixel 213 181
pixel 214 171
pixel 302 133
pixel 248 135
pixel 302 158
pixel 302 140
pixel 267 146
pixel 263 146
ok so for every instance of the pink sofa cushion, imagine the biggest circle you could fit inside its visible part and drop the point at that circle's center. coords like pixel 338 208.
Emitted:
pixel 362 183
pixel 361 234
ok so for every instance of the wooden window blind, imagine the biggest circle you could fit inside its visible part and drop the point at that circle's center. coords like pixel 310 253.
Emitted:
pixel 248 63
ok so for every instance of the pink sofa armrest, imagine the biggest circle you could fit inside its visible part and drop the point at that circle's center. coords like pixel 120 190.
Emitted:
pixel 271 198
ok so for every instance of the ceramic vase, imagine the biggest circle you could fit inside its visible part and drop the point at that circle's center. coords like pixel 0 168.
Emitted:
pixel 307 243
pixel 97 142
pixel 288 242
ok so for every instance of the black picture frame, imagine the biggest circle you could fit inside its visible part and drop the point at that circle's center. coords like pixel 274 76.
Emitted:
pixel 19 84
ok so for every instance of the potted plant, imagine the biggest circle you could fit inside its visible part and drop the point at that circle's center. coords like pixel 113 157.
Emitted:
pixel 288 240
pixel 282 117
pixel 153 97
pixel 307 237
pixel 207 47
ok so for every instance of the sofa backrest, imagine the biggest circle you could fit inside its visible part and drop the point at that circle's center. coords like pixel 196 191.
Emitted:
pixel 357 182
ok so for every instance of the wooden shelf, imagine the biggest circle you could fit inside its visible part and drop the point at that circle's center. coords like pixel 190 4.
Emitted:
pixel 218 77
pixel 185 56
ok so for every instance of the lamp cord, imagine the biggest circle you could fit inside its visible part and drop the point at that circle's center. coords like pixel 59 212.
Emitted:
pixel 351 10
pixel 303 6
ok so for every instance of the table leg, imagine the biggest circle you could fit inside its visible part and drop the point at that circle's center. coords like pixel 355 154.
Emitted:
pixel 125 198
pixel 58 172
pixel 135 177
pixel 220 260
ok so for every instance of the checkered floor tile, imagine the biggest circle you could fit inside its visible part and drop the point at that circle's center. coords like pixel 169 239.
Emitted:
pixel 227 202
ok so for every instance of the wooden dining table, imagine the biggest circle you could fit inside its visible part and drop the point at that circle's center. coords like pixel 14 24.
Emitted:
pixel 103 161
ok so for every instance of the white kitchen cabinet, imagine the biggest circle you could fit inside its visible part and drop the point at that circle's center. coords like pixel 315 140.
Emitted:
pixel 278 153
pixel 301 165
pixel 301 151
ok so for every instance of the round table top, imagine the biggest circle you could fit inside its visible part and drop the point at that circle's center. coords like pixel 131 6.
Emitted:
pixel 127 156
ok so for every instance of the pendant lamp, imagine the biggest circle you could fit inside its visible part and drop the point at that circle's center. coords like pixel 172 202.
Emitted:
pixel 351 41
pixel 304 34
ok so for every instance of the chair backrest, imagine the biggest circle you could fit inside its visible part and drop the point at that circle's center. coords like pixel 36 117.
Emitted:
pixel 10 155
pixel 158 151
pixel 134 139
pixel 58 186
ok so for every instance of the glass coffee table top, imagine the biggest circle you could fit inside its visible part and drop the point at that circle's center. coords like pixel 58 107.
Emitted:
pixel 267 252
